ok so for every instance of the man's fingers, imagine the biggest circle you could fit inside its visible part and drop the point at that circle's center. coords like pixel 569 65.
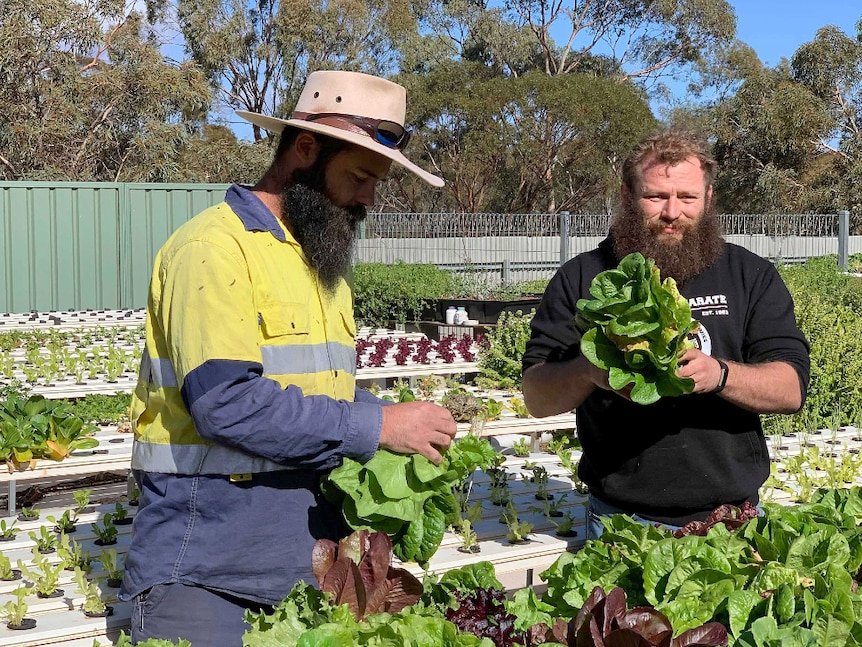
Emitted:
pixel 443 441
pixel 432 455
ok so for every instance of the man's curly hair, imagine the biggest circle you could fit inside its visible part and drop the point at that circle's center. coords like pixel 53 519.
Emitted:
pixel 671 146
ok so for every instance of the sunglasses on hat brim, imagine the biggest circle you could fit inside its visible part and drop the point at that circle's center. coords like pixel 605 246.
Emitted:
pixel 388 133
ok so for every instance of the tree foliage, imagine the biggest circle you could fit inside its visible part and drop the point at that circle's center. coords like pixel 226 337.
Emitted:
pixel 765 138
pixel 532 143
pixel 86 96
pixel 789 138
pixel 258 53
pixel 521 105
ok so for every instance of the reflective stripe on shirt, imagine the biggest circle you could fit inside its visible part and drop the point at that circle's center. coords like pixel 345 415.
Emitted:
pixel 308 358
pixel 277 360
pixel 199 459
pixel 159 372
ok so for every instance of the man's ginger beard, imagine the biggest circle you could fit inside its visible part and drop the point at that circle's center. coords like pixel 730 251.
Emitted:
pixel 684 259
pixel 324 231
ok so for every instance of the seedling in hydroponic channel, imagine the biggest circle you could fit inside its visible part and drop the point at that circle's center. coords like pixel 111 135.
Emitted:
pixel 519 408
pixel 45 577
pixel 72 555
pixel 82 500
pixel 8 532
pixel 507 513
pixel 500 488
pixel 107 532
pixel 518 530
pixel 15 613
pixel 29 514
pixel 521 447
pixel 469 540
pixel 540 479
pixel 493 408
pixel 121 515
pixel 93 603
pixel 65 523
pixel 564 525
pixel 551 507
pixel 427 386
pixel 111 565
pixel 45 541
pixel 7 573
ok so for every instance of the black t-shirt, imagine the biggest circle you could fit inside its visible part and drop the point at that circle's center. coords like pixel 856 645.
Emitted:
pixel 677 459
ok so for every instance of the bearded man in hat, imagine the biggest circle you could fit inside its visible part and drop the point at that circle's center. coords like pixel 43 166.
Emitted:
pixel 246 394
pixel 674 461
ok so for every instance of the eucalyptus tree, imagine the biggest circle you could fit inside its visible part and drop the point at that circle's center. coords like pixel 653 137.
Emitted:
pixel 830 67
pixel 215 155
pixel 765 141
pixel 532 143
pixel 258 53
pixel 789 138
pixel 85 96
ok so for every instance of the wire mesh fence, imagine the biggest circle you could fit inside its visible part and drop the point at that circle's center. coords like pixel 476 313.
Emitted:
pixel 500 248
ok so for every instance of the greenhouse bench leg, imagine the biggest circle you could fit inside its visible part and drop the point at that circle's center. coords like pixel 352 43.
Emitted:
pixel 11 500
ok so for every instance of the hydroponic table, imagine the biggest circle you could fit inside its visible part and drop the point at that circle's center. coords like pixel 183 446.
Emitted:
pixel 113 453
pixel 60 621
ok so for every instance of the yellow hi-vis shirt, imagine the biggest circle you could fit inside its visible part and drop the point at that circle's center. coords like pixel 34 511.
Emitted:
pixel 236 322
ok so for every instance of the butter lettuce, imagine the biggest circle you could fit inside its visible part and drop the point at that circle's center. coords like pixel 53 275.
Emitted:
pixel 407 497
pixel 635 327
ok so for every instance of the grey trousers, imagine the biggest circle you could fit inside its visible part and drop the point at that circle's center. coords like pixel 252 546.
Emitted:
pixel 203 617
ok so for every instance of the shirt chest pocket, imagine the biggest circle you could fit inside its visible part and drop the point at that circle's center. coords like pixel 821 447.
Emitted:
pixel 279 318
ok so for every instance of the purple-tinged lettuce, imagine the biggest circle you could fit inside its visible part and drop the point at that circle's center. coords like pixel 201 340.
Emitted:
pixel 603 621
pixel 357 572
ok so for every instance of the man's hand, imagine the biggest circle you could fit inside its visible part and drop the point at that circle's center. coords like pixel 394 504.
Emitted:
pixel 700 367
pixel 601 377
pixel 418 428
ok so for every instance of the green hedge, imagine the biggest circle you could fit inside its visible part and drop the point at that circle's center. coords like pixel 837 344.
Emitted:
pixel 829 311
pixel 399 292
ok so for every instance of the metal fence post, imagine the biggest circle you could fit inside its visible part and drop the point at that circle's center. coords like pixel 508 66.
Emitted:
pixel 843 239
pixel 505 274
pixel 564 237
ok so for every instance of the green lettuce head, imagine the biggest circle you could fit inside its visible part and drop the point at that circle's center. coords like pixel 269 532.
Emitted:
pixel 635 327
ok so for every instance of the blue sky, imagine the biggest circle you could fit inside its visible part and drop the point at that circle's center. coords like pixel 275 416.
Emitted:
pixel 776 28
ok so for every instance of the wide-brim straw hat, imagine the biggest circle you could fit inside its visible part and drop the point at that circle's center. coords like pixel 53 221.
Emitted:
pixel 348 94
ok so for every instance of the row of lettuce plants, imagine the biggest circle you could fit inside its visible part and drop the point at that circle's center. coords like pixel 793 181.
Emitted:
pixel 788 578
pixel 69 357
pixel 57 557
pixel 379 351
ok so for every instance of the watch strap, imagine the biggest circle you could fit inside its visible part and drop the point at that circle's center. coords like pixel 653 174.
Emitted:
pixel 722 381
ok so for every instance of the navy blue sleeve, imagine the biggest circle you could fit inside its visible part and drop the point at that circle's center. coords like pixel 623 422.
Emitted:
pixel 362 395
pixel 232 404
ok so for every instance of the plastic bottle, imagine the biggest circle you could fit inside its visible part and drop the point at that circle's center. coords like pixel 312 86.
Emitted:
pixel 450 314
pixel 460 316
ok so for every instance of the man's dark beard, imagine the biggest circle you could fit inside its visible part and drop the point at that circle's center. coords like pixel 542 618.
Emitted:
pixel 324 231
pixel 685 259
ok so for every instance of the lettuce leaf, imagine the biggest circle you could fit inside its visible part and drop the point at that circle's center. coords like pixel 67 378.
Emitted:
pixel 635 327
pixel 406 496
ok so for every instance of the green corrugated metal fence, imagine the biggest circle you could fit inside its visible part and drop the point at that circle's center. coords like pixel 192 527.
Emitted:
pixel 79 246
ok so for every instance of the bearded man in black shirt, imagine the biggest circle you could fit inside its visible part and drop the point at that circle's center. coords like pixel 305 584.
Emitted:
pixel 676 460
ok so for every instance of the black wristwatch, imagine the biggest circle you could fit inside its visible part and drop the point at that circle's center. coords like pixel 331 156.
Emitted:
pixel 723 379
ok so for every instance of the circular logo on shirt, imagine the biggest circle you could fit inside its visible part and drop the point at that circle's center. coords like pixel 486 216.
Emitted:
pixel 701 339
